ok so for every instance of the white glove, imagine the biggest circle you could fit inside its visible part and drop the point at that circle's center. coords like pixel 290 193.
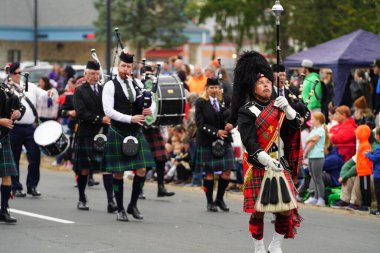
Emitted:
pixel 268 161
pixel 283 104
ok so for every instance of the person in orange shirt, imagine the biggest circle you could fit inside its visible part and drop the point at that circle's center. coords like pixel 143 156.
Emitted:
pixel 197 82
pixel 364 165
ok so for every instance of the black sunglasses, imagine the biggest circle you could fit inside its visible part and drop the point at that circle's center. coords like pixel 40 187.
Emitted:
pixel 17 73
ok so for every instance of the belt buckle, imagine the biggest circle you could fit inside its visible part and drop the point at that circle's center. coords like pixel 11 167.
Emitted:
pixel 274 155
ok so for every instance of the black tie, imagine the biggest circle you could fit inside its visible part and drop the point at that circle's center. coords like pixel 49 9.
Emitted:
pixel 96 90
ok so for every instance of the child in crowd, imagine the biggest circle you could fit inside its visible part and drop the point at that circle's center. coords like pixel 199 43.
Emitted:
pixel 316 147
pixel 302 189
pixel 375 158
pixel 364 165
pixel 180 166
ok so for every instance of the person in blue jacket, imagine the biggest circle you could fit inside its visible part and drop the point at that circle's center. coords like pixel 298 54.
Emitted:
pixel 375 159
pixel 331 167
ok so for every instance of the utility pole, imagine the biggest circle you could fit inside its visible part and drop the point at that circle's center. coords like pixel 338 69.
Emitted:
pixel 35 32
pixel 109 41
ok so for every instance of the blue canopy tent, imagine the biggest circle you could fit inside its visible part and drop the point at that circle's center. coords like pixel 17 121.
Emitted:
pixel 354 50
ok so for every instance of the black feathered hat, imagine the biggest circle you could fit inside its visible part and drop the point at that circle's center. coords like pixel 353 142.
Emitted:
pixel 126 57
pixel 92 65
pixel 13 67
pixel 212 81
pixel 281 67
pixel 250 67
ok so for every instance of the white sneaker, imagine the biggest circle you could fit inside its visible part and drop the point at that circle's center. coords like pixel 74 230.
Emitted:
pixel 275 245
pixel 259 246
pixel 311 201
pixel 321 202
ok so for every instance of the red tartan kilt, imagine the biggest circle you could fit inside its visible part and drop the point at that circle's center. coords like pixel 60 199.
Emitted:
pixel 252 188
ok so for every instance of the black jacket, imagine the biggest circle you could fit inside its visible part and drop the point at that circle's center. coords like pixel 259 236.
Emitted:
pixel 9 103
pixel 209 122
pixel 89 109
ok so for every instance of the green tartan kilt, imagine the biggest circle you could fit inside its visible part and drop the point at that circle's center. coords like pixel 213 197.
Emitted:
pixel 116 161
pixel 85 156
pixel 7 161
pixel 207 162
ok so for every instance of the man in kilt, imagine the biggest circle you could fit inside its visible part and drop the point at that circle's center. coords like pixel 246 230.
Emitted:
pixel 258 122
pixel 10 107
pixel 91 121
pixel 121 104
pixel 157 144
pixel 210 117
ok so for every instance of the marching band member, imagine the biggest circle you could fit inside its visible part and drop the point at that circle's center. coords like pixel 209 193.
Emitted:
pixel 157 145
pixel 258 122
pixel 213 136
pixel 126 148
pixel 90 116
pixel 8 114
pixel 23 131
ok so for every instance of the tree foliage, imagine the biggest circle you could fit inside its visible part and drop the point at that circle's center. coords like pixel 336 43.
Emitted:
pixel 304 23
pixel 144 23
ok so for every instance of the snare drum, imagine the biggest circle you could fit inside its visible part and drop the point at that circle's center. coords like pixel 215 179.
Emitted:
pixel 51 139
pixel 170 102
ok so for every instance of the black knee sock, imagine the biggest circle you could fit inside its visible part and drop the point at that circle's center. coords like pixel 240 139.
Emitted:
pixel 118 188
pixel 82 182
pixel 5 195
pixel 138 184
pixel 160 169
pixel 208 187
pixel 222 185
pixel 107 182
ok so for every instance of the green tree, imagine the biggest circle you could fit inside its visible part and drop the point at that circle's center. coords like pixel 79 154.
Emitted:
pixel 316 21
pixel 144 23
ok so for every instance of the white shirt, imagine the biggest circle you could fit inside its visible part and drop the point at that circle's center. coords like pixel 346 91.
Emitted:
pixel 34 94
pixel 108 99
pixel 212 102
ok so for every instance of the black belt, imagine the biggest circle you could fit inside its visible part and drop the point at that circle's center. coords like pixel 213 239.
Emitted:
pixel 24 125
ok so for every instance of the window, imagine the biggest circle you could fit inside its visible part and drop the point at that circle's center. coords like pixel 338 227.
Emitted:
pixel 14 55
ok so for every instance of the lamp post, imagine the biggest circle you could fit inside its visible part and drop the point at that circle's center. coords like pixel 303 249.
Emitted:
pixel 277 9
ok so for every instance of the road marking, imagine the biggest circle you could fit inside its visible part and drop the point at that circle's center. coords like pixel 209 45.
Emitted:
pixel 39 216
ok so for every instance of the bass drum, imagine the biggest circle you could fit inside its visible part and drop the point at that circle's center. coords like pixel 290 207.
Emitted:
pixel 51 139
pixel 170 102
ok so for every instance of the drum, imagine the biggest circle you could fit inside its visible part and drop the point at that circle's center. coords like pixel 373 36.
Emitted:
pixel 170 102
pixel 51 139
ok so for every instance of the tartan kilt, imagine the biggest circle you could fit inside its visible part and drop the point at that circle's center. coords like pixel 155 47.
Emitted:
pixel 85 157
pixel 253 186
pixel 7 161
pixel 116 161
pixel 206 161
pixel 156 143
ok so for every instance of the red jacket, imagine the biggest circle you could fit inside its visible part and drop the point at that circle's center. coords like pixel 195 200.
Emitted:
pixel 343 137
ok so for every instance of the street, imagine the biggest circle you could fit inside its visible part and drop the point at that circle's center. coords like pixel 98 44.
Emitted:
pixel 176 224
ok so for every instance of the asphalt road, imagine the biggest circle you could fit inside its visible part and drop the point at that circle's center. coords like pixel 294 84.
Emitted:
pixel 176 224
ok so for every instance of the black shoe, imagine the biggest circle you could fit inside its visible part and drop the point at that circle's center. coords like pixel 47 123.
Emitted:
pixel 112 207
pixel 135 212
pixel 212 208
pixel 33 191
pixel 141 195
pixel 6 217
pixel 92 182
pixel 221 205
pixel 82 205
pixel 19 193
pixel 122 216
pixel 162 192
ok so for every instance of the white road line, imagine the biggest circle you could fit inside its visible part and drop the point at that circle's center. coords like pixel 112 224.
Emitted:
pixel 39 216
